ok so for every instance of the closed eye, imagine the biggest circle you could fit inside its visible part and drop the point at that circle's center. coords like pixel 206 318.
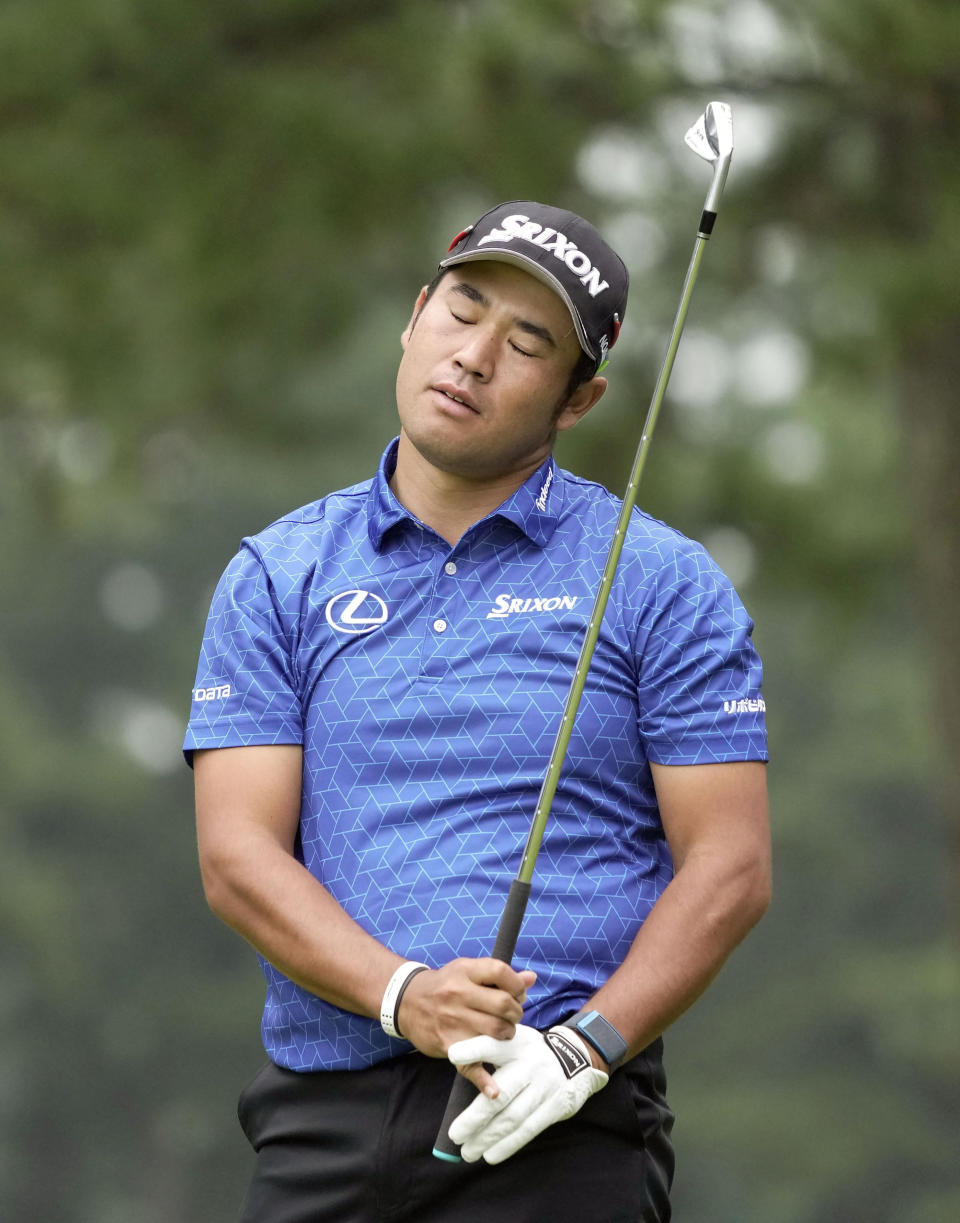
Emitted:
pixel 468 322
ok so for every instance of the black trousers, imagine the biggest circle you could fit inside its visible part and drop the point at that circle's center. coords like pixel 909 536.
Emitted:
pixel 355 1147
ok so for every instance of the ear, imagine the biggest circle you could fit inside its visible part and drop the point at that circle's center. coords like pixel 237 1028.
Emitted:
pixel 580 403
pixel 417 307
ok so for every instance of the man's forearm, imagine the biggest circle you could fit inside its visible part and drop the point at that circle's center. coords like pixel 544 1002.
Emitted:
pixel 702 915
pixel 267 896
pixel 273 901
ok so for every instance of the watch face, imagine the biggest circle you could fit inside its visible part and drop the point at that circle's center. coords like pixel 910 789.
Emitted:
pixel 603 1036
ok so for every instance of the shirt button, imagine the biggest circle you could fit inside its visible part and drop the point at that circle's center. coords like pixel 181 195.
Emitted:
pixel 450 568
pixel 439 626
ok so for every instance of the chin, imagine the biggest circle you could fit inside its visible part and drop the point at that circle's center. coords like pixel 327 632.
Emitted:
pixel 457 459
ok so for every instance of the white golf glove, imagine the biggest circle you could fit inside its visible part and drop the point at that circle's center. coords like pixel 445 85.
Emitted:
pixel 543 1077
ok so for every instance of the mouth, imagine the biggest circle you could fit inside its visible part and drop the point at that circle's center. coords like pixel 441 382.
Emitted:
pixel 454 394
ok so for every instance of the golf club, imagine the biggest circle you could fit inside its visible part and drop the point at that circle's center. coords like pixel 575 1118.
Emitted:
pixel 711 138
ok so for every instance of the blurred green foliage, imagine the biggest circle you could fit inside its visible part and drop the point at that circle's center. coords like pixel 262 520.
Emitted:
pixel 214 219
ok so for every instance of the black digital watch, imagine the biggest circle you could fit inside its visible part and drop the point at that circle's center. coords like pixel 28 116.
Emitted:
pixel 600 1034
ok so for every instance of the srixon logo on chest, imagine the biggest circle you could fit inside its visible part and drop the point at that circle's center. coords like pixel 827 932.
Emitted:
pixel 510 605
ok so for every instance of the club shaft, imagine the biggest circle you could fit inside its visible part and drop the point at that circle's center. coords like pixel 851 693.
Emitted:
pixel 463 1091
pixel 592 633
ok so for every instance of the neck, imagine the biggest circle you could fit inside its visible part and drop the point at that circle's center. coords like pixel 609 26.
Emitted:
pixel 448 503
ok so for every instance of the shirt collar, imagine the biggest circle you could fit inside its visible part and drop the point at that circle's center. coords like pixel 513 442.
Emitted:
pixel 383 509
pixel 534 507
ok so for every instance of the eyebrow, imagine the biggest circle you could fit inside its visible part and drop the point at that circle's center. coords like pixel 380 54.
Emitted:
pixel 473 294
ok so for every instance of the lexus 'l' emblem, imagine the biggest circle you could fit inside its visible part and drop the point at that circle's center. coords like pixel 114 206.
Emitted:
pixel 356 611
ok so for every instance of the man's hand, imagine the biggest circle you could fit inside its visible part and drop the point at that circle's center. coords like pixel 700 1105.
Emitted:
pixel 542 1077
pixel 463 998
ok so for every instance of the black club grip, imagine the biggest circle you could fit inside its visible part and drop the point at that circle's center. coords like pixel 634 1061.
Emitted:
pixel 463 1091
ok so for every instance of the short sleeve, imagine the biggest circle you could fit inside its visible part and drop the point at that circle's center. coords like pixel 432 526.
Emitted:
pixel 245 692
pixel 699 674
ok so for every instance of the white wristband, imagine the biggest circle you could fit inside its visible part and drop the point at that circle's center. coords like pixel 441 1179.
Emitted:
pixel 394 991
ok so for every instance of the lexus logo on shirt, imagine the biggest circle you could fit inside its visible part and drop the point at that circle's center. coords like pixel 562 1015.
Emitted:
pixel 356 611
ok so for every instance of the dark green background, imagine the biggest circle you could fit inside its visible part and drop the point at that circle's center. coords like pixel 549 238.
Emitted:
pixel 214 218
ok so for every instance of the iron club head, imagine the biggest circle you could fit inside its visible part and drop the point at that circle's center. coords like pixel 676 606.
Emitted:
pixel 711 138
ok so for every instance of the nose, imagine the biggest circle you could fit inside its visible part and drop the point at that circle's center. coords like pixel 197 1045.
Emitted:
pixel 477 353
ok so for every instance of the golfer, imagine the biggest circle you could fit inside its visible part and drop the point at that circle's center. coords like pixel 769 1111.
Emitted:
pixel 378 693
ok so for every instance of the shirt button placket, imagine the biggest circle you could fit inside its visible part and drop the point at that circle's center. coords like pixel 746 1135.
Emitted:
pixel 440 625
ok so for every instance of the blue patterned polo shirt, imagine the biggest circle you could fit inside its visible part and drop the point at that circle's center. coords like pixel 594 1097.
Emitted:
pixel 425 684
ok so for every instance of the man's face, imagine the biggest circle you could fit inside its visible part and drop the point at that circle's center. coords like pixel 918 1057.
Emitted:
pixel 502 344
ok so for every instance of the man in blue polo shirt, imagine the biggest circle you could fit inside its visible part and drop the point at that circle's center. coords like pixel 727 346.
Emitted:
pixel 387 667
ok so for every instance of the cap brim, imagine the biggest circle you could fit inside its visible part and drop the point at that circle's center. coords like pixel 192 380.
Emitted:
pixel 526 264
